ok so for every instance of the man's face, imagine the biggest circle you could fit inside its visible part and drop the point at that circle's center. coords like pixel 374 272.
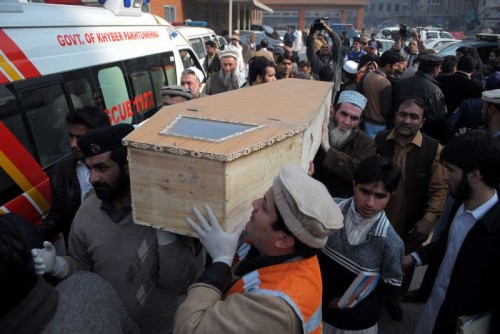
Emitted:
pixel 457 181
pixel 191 82
pixel 268 77
pixel 356 46
pixel 285 67
pixel 228 64
pixel 409 120
pixel 347 116
pixel 183 54
pixel 109 181
pixel 253 38
pixel 370 198
pixel 234 42
pixel 259 226
pixel 400 67
pixel 305 69
pixel 371 51
pixel 75 132
pixel 325 50
pixel 210 50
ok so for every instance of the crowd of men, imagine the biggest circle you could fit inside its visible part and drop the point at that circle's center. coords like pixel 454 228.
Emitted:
pixel 406 175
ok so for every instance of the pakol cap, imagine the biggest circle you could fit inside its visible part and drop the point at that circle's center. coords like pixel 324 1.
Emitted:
pixel 353 97
pixel 307 208
pixel 175 90
pixel 278 50
pixel 224 54
pixel 101 140
pixel 350 67
pixel 492 96
pixel 430 60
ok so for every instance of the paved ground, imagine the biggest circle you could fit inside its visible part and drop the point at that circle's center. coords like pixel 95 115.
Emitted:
pixel 411 312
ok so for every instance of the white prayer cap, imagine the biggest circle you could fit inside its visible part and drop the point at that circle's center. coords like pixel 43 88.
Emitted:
pixel 353 97
pixel 197 72
pixel 350 67
pixel 492 96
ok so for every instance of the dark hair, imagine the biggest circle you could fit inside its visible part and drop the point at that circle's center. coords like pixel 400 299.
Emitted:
pixel 303 63
pixel 326 73
pixel 496 51
pixel 90 116
pixel 475 149
pixel 257 66
pixel 389 57
pixel 357 39
pixel 300 248
pixel 264 43
pixel 210 43
pixel 418 101
pixel 284 56
pixel 288 43
pixel 378 169
pixel 17 271
pixel 448 64
pixel 466 64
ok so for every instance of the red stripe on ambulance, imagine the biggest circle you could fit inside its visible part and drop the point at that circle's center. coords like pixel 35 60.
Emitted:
pixel 17 57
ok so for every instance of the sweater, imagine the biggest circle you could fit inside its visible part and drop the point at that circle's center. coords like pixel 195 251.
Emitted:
pixel 341 262
pixel 149 278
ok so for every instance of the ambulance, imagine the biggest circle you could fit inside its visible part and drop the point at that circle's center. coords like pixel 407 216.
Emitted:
pixel 54 58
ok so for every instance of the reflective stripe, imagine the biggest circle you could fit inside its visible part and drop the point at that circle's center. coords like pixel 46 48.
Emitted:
pixel 4 209
pixel 35 205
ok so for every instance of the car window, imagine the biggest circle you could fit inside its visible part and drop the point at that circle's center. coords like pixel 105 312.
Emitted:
pixel 445 35
pixel 432 34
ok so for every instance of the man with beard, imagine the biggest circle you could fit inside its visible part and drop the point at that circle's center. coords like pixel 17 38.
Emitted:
pixel 69 179
pixel 149 269
pixel 285 65
pixel 465 258
pixel 260 71
pixel 228 78
pixel 420 197
pixel 343 145
pixel 192 79
pixel 491 111
pixel 277 280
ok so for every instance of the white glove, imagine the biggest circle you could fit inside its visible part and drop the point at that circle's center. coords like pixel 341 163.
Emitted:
pixel 46 261
pixel 164 237
pixel 219 244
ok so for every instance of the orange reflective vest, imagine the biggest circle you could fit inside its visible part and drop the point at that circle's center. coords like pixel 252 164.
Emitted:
pixel 298 283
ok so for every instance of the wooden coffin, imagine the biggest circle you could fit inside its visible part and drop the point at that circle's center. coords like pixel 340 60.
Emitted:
pixel 171 172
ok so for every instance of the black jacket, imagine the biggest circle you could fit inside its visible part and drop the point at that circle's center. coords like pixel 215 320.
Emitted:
pixel 66 199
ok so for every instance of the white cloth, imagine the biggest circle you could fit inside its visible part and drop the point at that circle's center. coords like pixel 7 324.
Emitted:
pixel 357 227
pixel 329 329
pixel 297 43
pixel 463 221
pixel 83 175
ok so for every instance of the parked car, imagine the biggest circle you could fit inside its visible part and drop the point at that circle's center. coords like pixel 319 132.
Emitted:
pixel 386 45
pixel 433 43
pixel 347 27
pixel 264 28
pixel 483 48
pixel 222 42
pixel 245 38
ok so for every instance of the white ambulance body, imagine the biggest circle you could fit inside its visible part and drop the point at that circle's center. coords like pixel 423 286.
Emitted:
pixel 54 58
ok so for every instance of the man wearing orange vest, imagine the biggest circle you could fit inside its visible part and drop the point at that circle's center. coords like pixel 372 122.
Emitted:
pixel 277 284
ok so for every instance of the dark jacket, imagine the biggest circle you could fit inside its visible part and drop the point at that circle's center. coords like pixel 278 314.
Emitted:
pixel 214 65
pixel 336 167
pixel 473 286
pixel 418 171
pixel 335 60
pixel 424 85
pixel 458 88
pixel 66 199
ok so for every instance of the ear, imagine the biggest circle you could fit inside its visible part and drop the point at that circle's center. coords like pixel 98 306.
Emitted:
pixel 284 241
pixel 259 78
pixel 474 176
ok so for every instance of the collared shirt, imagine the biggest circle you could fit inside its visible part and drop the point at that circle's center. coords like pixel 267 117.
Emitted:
pixel 436 199
pixel 83 175
pixel 357 227
pixel 463 221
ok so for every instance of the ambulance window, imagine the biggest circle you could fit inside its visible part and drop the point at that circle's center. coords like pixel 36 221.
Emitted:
pixel 198 47
pixel 114 92
pixel 79 84
pixel 168 62
pixel 143 73
pixel 46 108
pixel 11 119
